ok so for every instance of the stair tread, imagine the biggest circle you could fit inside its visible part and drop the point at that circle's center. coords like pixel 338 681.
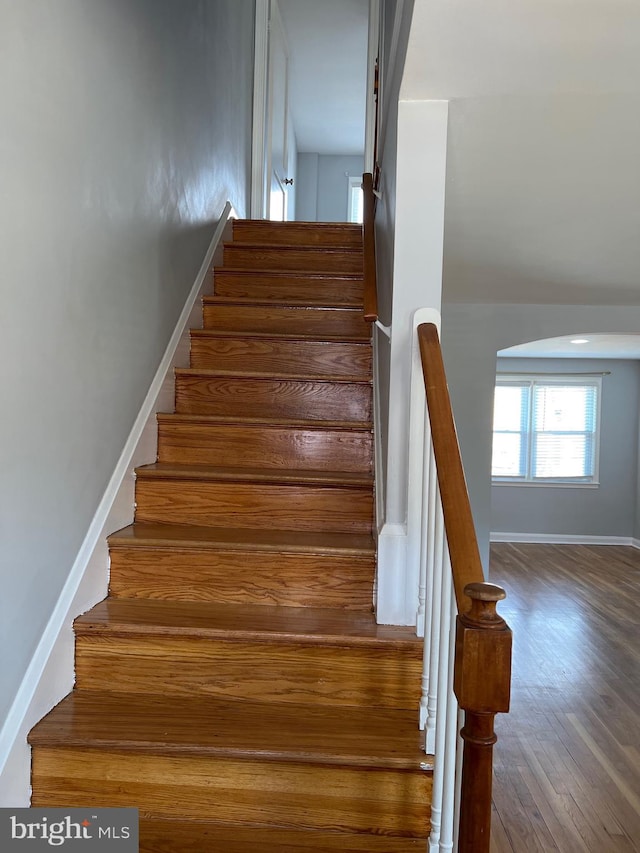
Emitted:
pixel 223 372
pixel 143 534
pixel 301 306
pixel 171 471
pixel 242 272
pixel 279 336
pixel 301 272
pixel 164 836
pixel 347 426
pixel 255 622
pixel 244 301
pixel 232 728
pixel 308 247
pixel 302 223
pixel 273 376
pixel 295 336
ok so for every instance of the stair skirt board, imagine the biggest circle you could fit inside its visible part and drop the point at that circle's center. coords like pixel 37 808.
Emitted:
pixel 51 672
pixel 235 676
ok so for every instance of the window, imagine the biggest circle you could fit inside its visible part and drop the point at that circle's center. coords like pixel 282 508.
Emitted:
pixel 355 200
pixel 545 429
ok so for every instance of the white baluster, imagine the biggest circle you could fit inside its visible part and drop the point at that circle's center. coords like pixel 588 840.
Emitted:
pixel 442 709
pixel 451 734
pixel 458 793
pixel 437 612
pixel 428 473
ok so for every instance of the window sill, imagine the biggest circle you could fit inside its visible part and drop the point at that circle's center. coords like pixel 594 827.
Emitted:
pixel 548 484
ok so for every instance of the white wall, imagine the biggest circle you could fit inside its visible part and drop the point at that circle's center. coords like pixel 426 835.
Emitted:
pixel 410 235
pixel 323 186
pixel 472 334
pixel 605 511
pixel 126 127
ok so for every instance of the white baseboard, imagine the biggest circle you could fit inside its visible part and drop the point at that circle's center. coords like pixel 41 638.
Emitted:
pixel 391 588
pixel 50 675
pixel 564 539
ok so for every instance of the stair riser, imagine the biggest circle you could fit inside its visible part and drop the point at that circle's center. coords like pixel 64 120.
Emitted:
pixel 264 319
pixel 169 836
pixel 320 358
pixel 228 790
pixel 248 505
pixel 265 447
pixel 238 256
pixel 296 234
pixel 362 676
pixel 273 398
pixel 243 577
pixel 282 288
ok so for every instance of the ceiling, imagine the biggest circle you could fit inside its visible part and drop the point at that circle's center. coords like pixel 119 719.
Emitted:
pixel 579 345
pixel 543 169
pixel 328 42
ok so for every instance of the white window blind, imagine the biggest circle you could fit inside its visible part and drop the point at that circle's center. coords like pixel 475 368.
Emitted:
pixel 546 429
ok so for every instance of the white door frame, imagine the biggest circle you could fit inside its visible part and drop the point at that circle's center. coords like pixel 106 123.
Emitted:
pixel 259 165
pixel 372 56
pixel 268 18
pixel 260 111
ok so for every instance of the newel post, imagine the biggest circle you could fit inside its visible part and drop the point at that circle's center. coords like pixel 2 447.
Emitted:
pixel 482 681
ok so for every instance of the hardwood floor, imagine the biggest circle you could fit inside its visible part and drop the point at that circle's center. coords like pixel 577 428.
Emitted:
pixel 567 761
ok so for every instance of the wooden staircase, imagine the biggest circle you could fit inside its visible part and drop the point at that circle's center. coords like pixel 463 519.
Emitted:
pixel 235 686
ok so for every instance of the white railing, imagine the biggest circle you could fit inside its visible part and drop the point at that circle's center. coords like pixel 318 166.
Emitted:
pixel 436 621
pixel 467 645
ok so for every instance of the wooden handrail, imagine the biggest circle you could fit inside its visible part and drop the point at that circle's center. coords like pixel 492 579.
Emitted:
pixel 482 669
pixel 461 533
pixel 368 231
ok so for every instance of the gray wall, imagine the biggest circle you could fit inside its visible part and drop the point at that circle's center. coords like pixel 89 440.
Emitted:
pixel 391 78
pixel 636 520
pixel 125 128
pixel 322 186
pixel 472 334
pixel 609 509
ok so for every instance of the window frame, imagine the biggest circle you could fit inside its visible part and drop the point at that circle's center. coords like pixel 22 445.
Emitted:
pixel 530 381
pixel 354 193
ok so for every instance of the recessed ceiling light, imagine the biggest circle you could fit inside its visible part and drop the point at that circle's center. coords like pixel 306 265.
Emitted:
pixel 580 341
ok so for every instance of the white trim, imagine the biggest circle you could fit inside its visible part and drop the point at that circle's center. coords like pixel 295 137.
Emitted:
pixel 50 675
pixel 563 539
pixel 544 484
pixel 399 543
pixel 377 438
pixel 372 56
pixel 260 107
pixel 391 583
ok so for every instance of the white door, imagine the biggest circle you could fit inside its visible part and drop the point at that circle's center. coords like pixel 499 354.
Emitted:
pixel 279 133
